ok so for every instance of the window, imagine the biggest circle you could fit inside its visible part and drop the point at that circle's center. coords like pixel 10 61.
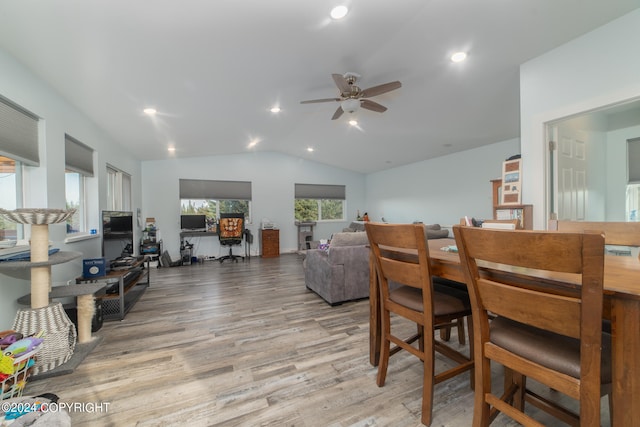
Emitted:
pixel 319 202
pixel 213 208
pixel 633 180
pixel 79 167
pixel 118 190
pixel 212 197
pixel 10 196
pixel 18 148
pixel 75 196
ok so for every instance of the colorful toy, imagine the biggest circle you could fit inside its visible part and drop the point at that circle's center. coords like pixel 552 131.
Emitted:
pixel 22 346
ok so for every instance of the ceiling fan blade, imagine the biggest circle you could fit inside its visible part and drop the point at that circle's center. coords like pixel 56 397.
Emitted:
pixel 313 101
pixel 342 83
pixel 338 113
pixel 380 89
pixel 373 106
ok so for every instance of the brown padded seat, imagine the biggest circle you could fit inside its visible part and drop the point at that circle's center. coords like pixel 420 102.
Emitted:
pixel 536 344
pixel 444 303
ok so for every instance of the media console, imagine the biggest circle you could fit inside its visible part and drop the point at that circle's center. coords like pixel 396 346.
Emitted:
pixel 124 287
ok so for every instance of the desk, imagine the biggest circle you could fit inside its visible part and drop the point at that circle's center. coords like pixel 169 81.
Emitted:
pixel 622 306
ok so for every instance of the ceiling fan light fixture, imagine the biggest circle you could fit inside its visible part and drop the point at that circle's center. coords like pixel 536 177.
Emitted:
pixel 339 12
pixel 459 56
pixel 350 105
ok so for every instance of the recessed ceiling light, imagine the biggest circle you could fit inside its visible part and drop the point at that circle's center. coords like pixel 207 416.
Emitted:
pixel 353 122
pixel 253 142
pixel 310 149
pixel 339 12
pixel 150 111
pixel 171 149
pixel 275 109
pixel 459 56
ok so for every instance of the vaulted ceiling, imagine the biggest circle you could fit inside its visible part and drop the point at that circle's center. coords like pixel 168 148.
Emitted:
pixel 214 69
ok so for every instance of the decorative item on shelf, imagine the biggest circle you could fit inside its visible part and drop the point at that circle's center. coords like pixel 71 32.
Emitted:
pixel 365 217
pixel 511 182
pixel 60 333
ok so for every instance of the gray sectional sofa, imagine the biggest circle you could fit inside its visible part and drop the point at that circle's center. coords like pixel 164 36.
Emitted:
pixel 341 273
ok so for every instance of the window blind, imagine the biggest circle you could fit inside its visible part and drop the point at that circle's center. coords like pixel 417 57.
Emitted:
pixel 319 191
pixel 214 189
pixel 18 133
pixel 78 157
pixel 633 160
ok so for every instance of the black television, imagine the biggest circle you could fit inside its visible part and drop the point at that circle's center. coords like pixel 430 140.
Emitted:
pixel 193 222
pixel 117 222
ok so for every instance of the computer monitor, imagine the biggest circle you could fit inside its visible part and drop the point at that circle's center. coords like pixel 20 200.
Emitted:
pixel 193 222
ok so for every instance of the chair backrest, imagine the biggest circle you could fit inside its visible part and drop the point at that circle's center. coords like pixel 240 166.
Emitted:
pixel 401 255
pixel 231 228
pixel 615 233
pixel 577 254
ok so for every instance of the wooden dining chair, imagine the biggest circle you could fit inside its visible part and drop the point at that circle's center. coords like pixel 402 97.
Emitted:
pixel 401 258
pixel 541 333
pixel 615 233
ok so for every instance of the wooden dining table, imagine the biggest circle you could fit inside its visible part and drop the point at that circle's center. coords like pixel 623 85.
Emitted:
pixel 621 306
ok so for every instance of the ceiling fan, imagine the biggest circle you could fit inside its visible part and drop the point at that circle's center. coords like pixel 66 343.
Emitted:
pixel 352 97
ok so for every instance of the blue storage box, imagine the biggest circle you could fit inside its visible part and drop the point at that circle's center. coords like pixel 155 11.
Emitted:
pixel 93 267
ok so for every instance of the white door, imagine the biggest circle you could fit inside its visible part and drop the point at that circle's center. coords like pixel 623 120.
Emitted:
pixel 569 181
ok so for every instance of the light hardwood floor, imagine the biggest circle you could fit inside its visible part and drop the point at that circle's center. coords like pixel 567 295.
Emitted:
pixel 246 344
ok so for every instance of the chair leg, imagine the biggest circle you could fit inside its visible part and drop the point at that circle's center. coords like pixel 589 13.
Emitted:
pixel 472 372
pixel 445 333
pixel 384 348
pixel 428 383
pixel 481 409
pixel 460 323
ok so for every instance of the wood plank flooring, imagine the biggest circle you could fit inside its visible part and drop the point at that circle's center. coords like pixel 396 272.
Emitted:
pixel 246 344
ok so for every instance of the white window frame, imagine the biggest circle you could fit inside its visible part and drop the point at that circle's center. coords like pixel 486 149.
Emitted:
pixel 17 200
pixel 118 190
pixel 81 214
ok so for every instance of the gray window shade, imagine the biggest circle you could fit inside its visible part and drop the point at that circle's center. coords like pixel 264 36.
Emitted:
pixel 78 157
pixel 318 191
pixel 215 190
pixel 18 133
pixel 633 159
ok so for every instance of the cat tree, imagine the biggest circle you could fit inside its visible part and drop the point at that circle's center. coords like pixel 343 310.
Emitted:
pixel 59 331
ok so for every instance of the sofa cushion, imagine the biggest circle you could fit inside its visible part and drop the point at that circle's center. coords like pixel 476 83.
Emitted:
pixel 437 234
pixel 349 239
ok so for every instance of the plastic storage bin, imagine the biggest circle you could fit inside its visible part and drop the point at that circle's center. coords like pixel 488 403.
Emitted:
pixel 14 384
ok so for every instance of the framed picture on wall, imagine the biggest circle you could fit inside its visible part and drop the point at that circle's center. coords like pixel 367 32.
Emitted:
pixel 511 183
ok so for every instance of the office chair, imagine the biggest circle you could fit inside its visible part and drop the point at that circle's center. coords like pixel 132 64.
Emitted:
pixel 230 232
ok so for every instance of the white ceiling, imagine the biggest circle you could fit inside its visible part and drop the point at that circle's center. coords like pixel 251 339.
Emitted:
pixel 213 69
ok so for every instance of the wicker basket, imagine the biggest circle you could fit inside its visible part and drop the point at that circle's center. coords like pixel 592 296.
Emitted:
pixel 37 216
pixel 60 334
pixel 13 385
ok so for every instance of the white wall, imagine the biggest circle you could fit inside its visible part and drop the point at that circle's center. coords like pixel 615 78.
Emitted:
pixel 45 184
pixel 441 190
pixel 597 69
pixel 272 179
